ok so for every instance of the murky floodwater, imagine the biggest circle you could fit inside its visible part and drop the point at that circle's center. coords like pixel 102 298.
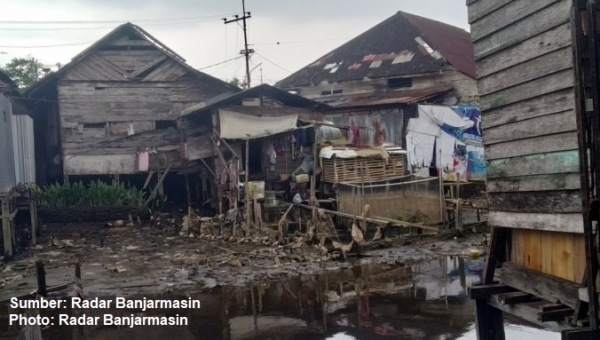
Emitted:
pixel 424 301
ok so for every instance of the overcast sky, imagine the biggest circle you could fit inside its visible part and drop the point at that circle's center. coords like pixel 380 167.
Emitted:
pixel 305 29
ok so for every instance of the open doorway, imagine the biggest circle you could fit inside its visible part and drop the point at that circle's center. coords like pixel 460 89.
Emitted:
pixel 255 160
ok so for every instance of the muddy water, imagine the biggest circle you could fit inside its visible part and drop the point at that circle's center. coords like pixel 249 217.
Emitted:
pixel 423 301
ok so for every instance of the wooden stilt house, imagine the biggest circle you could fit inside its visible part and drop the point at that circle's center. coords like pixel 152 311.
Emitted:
pixel 537 71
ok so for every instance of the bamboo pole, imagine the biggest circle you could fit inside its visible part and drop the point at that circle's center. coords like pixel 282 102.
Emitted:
pixel 246 188
pixel 313 180
pixel 6 228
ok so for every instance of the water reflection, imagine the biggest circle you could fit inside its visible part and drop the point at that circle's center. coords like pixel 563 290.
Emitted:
pixel 424 301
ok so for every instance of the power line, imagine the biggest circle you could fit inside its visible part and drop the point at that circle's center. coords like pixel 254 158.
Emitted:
pixel 60 22
pixel 260 55
pixel 97 27
pixel 217 64
pixel 45 46
pixel 300 41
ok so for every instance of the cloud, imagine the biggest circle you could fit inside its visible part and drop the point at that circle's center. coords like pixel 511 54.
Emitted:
pixel 305 29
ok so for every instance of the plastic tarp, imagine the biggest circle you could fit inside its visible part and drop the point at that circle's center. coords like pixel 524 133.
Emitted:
pixel 450 134
pixel 236 125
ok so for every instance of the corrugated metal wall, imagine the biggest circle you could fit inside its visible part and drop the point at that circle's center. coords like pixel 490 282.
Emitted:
pixel 7 158
pixel 24 148
pixel 382 125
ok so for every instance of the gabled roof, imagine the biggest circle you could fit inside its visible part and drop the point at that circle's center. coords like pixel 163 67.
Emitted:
pixel 122 29
pixel 402 45
pixel 286 98
pixel 383 99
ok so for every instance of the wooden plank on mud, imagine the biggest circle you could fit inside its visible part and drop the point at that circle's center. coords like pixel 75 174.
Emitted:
pixel 565 223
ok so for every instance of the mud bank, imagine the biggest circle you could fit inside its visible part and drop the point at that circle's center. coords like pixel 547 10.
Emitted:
pixel 123 261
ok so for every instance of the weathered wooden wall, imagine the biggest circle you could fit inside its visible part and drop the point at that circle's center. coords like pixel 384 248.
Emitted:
pixel 525 70
pixel 128 83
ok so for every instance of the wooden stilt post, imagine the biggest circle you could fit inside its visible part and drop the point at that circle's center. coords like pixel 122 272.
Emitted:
pixel 6 228
pixel 313 179
pixel 490 321
pixel 189 205
pixel 41 278
pixel 246 188
pixel 34 220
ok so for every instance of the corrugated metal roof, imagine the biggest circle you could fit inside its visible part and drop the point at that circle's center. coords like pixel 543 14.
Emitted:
pixel 286 98
pixel 402 45
pixel 383 99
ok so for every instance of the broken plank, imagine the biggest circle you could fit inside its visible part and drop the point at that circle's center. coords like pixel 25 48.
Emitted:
pixel 555 315
pixel 516 298
pixel 485 291
pixel 525 312
pixel 544 286
pixel 147 66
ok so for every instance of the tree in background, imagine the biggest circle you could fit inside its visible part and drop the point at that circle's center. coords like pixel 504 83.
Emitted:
pixel 23 71
pixel 236 82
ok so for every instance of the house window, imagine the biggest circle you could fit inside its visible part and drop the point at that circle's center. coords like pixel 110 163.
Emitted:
pixel 99 88
pixel 396 83
pixel 94 126
pixel 165 124
pixel 330 92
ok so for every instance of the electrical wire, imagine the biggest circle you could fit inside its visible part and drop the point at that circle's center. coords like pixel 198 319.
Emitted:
pixel 50 22
pixel 272 62
pixel 297 41
pixel 98 27
pixel 217 64
pixel 46 46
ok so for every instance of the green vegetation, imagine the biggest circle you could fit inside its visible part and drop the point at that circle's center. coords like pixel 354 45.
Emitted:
pixel 95 194
pixel 417 217
pixel 23 71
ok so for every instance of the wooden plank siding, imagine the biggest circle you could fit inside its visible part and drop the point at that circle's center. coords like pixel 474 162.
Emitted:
pixel 115 88
pixel 558 254
pixel 526 78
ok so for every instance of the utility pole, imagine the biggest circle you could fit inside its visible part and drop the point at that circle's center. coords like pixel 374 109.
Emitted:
pixel 246 52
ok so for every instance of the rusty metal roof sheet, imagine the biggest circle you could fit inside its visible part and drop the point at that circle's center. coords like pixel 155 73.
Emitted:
pixel 383 99
pixel 402 45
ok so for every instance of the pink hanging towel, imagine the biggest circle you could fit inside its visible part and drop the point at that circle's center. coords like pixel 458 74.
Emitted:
pixel 355 134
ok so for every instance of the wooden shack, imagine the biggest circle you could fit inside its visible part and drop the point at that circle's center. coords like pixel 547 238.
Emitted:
pixel 538 86
pixel 243 127
pixel 124 84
